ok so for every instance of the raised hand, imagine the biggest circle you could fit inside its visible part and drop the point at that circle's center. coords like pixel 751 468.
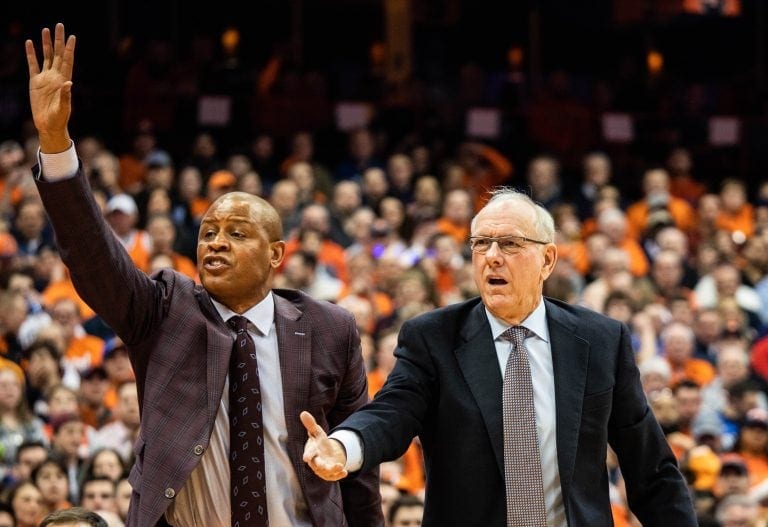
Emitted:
pixel 50 88
pixel 326 457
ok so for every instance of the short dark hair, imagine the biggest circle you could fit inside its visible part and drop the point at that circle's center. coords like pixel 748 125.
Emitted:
pixel 75 514
pixel 25 445
pixel 404 501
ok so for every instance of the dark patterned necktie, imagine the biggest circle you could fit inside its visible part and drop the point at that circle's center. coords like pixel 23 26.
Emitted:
pixel 522 459
pixel 246 432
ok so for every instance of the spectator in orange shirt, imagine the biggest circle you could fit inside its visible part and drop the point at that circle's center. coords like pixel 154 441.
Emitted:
pixel 682 183
pixel 118 367
pixel 384 358
pixel 94 384
pixel 122 214
pixel 658 200
pixel 570 245
pixel 162 233
pixel 613 222
pixel 82 350
pixel 133 171
pixel 678 344
pixel 316 218
pixel 737 215
pixel 51 478
pixel 456 215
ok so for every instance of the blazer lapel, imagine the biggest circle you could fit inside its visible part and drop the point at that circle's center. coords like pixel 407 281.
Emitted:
pixel 294 343
pixel 219 349
pixel 570 358
pixel 480 366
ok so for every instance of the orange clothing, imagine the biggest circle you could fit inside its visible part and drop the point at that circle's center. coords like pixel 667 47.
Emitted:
pixel 757 466
pixel 638 262
pixel 139 250
pixel 682 214
pixel 376 379
pixel 445 281
pixel 110 397
pixel 498 169
pixel 620 515
pixel 576 253
pixel 185 266
pixel 412 479
pixel 133 172
pixel 66 289
pixel 331 255
pixel 198 206
pixel 687 188
pixel 15 192
pixel 743 220
pixel 84 352
pixel 699 371
pixel 460 233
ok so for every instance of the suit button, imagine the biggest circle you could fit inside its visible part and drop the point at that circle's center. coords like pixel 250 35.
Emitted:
pixel 199 450
pixel 170 493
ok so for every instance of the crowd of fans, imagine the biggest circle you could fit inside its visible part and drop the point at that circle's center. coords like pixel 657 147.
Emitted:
pixel 384 233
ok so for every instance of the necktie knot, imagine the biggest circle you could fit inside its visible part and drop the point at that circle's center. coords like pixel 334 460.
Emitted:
pixel 238 323
pixel 517 335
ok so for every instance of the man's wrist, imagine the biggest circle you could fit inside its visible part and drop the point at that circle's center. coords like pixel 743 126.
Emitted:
pixel 54 143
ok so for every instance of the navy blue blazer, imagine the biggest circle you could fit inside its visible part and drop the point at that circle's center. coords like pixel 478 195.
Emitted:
pixel 446 388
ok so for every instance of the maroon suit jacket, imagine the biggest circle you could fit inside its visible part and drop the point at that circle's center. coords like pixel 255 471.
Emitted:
pixel 180 347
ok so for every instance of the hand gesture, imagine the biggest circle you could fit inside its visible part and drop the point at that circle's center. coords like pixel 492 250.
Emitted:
pixel 326 457
pixel 50 88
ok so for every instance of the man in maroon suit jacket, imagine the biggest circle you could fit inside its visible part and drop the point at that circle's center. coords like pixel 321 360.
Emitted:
pixel 180 345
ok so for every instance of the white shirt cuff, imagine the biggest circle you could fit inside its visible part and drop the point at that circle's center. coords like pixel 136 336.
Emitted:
pixel 353 444
pixel 54 167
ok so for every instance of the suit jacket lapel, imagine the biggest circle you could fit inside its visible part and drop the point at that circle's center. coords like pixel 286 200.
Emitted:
pixel 294 343
pixel 218 349
pixel 480 366
pixel 570 358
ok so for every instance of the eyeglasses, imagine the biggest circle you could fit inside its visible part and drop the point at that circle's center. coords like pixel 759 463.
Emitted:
pixel 507 244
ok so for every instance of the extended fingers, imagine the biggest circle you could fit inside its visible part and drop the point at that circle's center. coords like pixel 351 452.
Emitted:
pixel 47 48
pixel 313 429
pixel 34 66
pixel 68 60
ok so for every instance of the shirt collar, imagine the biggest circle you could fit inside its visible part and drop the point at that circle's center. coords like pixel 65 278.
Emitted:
pixel 535 322
pixel 261 316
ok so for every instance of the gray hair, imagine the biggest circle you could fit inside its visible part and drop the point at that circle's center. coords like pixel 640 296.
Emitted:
pixel 544 224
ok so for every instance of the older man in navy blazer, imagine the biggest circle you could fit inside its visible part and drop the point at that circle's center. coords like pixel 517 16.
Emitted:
pixel 447 388
pixel 308 352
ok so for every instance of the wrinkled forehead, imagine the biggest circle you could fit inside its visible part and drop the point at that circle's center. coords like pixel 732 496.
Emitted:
pixel 508 217
pixel 232 207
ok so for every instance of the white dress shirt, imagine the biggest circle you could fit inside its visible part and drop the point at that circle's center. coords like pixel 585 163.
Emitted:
pixel 204 501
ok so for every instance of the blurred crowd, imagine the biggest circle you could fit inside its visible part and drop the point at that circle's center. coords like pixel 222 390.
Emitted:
pixel 381 228
pixel 384 234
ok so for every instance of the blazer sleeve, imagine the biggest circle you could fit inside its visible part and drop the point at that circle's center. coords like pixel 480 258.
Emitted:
pixel 398 412
pixel 656 490
pixel 101 270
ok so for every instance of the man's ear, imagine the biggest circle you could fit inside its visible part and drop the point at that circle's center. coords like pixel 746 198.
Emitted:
pixel 276 253
pixel 550 259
